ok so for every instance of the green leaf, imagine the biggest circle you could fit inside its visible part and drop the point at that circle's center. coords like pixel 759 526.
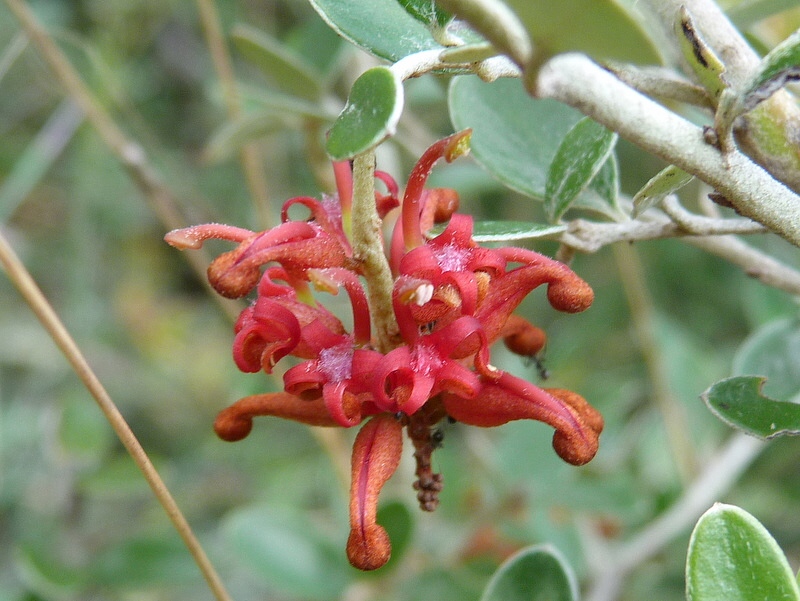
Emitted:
pixel 579 157
pixel 773 351
pixel 665 182
pixel 738 402
pixel 704 62
pixel 370 116
pixel 586 26
pixel 288 71
pixel 602 195
pixel 732 557
pixel 781 65
pixel 505 231
pixel 381 27
pixel 426 11
pixel 536 573
pixel 514 136
pixel 287 551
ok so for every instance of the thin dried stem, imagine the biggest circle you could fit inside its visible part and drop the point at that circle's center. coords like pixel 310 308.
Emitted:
pixel 676 422
pixel 250 154
pixel 27 287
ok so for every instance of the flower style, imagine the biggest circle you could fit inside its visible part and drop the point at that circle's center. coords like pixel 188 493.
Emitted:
pixel 452 300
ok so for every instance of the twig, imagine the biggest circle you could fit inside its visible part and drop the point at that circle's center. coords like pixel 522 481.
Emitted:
pixel 576 80
pixel 612 565
pixel 699 225
pixel 27 287
pixel 589 236
pixel 250 154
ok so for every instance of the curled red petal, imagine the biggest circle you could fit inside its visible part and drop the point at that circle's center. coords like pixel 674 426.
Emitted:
pixel 509 398
pixel 404 379
pixel 376 455
pixel 566 291
pixel 235 422
pixel 522 337
pixel 265 333
pixel 343 406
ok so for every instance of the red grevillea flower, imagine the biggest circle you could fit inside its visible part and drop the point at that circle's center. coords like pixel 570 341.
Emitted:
pixel 452 299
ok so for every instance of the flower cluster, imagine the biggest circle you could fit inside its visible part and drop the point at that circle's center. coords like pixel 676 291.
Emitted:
pixel 451 300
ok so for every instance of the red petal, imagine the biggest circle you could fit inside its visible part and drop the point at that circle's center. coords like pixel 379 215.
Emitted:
pixel 265 333
pixel 565 291
pixel 235 422
pixel 510 398
pixel 376 455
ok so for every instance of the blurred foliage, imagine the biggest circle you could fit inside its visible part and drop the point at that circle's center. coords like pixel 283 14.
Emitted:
pixel 77 520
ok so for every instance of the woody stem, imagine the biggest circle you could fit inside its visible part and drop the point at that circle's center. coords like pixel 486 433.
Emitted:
pixel 367 240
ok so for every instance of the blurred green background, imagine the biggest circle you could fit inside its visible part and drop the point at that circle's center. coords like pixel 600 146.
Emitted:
pixel 77 520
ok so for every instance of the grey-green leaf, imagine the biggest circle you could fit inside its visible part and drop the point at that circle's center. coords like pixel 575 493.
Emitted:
pixel 427 12
pixel 602 195
pixel 739 402
pixel 287 71
pixel 732 557
pixel 370 116
pixel 665 182
pixel 381 27
pixel 604 29
pixel 781 65
pixel 537 573
pixel 579 157
pixel 514 137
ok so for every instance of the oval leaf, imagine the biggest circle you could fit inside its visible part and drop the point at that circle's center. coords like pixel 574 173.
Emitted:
pixel 579 157
pixel 662 184
pixel 586 26
pixel 514 136
pixel 537 573
pixel 381 27
pixel 286 70
pixel 732 557
pixel 773 351
pixel 426 11
pixel 602 195
pixel 370 116
pixel 738 402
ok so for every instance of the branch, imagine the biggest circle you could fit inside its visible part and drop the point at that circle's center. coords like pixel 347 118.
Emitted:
pixel 589 236
pixel 739 58
pixel 579 82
